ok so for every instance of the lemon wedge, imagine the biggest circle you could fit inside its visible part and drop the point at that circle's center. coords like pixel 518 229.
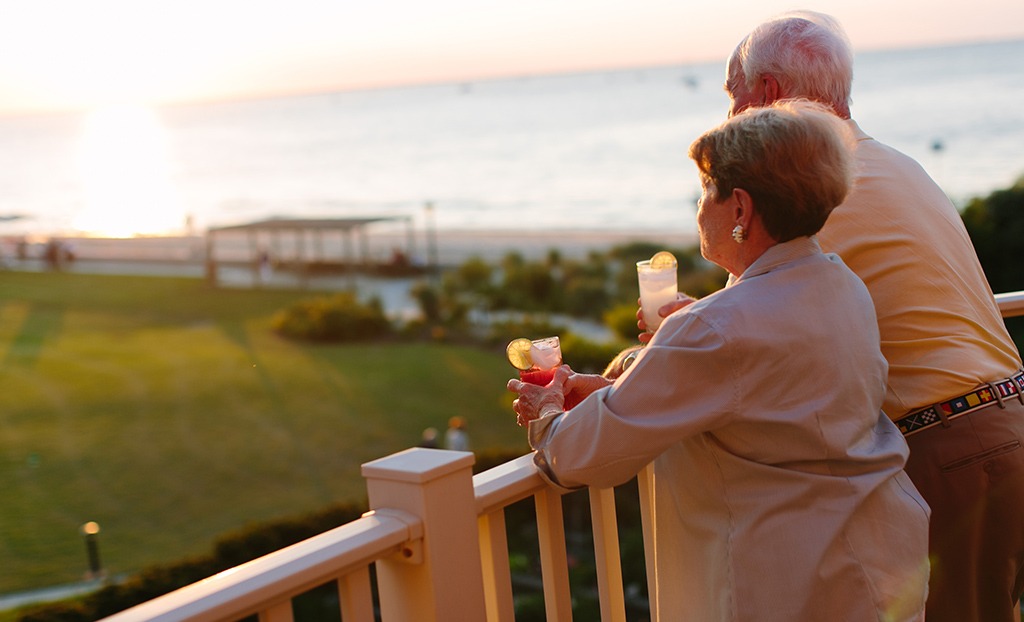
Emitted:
pixel 518 352
pixel 663 259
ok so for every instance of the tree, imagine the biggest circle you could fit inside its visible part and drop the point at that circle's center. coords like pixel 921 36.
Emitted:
pixel 996 227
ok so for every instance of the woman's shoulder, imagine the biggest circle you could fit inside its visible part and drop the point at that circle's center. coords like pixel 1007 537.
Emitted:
pixel 812 281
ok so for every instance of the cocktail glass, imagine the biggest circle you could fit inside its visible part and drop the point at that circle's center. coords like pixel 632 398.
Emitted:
pixel 544 355
pixel 537 360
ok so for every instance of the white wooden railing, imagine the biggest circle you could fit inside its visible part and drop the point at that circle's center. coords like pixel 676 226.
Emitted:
pixel 434 560
pixel 1011 304
pixel 436 538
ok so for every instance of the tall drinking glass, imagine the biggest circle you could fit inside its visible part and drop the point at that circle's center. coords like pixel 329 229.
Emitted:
pixel 658 286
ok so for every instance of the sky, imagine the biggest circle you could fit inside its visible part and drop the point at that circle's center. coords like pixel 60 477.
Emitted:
pixel 86 54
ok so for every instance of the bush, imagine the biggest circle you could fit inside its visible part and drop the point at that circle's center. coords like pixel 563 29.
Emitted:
pixel 531 327
pixel 529 286
pixel 340 317
pixel 588 357
pixel 996 227
pixel 621 319
pixel 700 283
pixel 57 612
pixel 446 305
pixel 474 275
pixel 586 297
pixel 429 300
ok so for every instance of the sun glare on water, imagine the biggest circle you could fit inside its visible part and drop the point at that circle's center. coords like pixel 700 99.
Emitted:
pixel 123 162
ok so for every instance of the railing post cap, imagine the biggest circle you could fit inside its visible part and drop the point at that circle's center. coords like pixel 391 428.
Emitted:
pixel 418 465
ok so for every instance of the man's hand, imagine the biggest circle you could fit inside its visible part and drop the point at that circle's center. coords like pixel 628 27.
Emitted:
pixel 578 386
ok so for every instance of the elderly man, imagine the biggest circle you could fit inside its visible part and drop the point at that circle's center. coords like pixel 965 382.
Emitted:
pixel 955 384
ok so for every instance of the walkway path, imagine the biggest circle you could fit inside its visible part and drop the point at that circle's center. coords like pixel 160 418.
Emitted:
pixel 49 594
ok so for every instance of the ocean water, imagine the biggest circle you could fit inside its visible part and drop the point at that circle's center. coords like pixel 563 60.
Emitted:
pixel 584 152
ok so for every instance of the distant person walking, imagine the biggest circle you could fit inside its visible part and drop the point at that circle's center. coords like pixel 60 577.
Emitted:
pixel 57 254
pixel 265 267
pixel 456 437
pixel 429 438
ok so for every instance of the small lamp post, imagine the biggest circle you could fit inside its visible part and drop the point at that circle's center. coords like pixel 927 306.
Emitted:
pixel 92 549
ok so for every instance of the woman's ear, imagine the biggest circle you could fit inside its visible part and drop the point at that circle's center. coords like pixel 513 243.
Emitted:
pixel 743 208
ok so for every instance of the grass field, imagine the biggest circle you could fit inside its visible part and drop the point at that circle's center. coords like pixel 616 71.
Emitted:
pixel 169 413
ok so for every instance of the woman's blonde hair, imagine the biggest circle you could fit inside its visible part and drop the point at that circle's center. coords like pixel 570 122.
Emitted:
pixel 794 158
pixel 621 362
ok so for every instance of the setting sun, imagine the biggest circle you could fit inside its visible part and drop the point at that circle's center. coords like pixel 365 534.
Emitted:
pixel 123 162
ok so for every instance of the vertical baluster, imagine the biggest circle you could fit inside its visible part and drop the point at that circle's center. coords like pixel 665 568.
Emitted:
pixel 553 560
pixel 356 596
pixel 280 612
pixel 645 483
pixel 606 554
pixel 497 575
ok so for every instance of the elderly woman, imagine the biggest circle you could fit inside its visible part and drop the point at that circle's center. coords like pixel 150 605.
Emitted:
pixel 779 491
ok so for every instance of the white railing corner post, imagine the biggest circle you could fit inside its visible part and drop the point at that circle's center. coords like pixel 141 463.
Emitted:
pixel 442 579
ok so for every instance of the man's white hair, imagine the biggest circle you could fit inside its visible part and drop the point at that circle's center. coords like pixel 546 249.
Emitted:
pixel 806 52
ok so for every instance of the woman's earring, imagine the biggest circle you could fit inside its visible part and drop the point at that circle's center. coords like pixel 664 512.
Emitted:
pixel 739 234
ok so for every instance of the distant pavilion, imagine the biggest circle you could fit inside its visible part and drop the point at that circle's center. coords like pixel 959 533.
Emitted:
pixel 303 245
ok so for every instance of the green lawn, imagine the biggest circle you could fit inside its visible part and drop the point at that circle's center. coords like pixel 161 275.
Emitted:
pixel 169 413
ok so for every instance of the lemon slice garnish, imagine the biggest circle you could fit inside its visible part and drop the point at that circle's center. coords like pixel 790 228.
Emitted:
pixel 663 259
pixel 518 352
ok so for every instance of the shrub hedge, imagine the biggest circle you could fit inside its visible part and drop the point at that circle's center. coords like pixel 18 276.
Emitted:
pixel 339 317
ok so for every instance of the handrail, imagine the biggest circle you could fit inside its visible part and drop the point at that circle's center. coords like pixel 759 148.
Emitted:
pixel 257 585
pixel 505 484
pixel 1011 304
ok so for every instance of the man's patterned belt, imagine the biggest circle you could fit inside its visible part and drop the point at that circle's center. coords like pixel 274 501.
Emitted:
pixel 992 393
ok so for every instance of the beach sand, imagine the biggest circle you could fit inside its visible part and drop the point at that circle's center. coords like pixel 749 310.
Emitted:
pixel 454 247
pixel 448 247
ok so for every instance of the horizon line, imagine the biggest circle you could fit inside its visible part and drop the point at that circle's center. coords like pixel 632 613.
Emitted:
pixel 255 95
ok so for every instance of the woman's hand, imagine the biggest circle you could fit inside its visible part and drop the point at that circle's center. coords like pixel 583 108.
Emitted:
pixel 535 401
pixel 682 301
